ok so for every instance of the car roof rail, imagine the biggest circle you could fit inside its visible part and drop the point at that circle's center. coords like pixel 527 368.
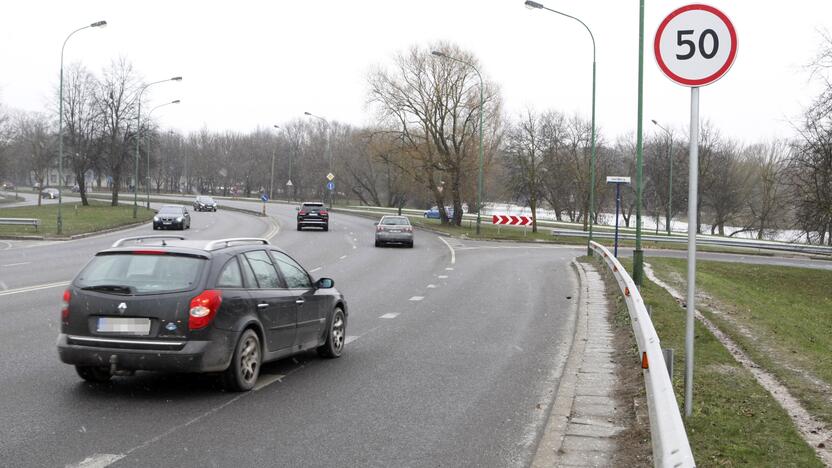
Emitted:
pixel 123 241
pixel 223 243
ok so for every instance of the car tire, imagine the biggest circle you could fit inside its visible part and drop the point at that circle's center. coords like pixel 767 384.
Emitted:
pixel 244 369
pixel 326 227
pixel 378 243
pixel 410 245
pixel 300 227
pixel 336 336
pixel 93 374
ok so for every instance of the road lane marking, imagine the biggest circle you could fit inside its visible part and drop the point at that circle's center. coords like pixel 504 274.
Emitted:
pixel 342 257
pixel 99 460
pixel 350 339
pixel 389 316
pixel 275 230
pixel 442 276
pixel 431 286
pixel 264 380
pixel 15 264
pixel 9 292
pixel 449 269
pixel 453 254
pixel 417 298
pixel 315 269
pixel 8 245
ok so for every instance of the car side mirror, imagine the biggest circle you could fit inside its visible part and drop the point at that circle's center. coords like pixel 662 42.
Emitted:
pixel 325 283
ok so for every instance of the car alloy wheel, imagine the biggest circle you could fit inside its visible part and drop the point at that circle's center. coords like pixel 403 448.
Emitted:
pixel 335 340
pixel 244 369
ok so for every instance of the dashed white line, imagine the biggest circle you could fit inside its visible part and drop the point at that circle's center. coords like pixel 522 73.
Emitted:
pixel 350 339
pixel 267 379
pixel 431 286
pixel 99 460
pixel 417 298
pixel 449 269
pixel 442 276
pixel 342 257
pixel 389 316
pixel 314 270
pixel 15 264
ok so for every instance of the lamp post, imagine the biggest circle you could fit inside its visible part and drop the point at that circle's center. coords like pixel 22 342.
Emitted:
pixel 60 222
pixel 148 149
pixel 535 5
pixel 638 253
pixel 271 178
pixel 669 177
pixel 479 175
pixel 328 147
pixel 138 130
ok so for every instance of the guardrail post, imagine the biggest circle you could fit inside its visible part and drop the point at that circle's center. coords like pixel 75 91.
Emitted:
pixel 668 360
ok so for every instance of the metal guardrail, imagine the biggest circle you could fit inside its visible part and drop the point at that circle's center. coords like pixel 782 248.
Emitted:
pixel 21 222
pixel 707 240
pixel 670 441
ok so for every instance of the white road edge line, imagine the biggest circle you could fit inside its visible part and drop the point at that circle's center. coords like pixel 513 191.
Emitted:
pixel 267 379
pixel 315 269
pixel 453 254
pixel 15 264
pixel 99 460
pixel 33 288
pixel 350 339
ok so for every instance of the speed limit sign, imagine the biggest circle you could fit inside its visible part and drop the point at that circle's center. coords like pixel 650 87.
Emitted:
pixel 695 45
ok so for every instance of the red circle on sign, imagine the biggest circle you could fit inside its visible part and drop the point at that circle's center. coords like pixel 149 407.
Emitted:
pixel 708 79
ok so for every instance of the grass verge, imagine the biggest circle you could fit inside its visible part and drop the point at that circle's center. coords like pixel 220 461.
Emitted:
pixel 780 316
pixel 735 421
pixel 77 219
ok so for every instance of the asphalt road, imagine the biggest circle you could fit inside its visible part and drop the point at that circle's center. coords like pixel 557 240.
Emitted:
pixel 454 350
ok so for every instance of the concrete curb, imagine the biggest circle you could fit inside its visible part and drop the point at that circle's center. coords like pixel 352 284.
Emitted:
pixel 548 450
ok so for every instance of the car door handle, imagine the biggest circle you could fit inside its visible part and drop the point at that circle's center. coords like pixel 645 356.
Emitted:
pixel 262 306
pixel 299 301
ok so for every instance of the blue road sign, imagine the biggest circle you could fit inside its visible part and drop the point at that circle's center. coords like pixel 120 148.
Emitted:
pixel 264 197
pixel 330 186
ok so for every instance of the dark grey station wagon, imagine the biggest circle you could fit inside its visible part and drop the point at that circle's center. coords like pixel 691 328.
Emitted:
pixel 164 303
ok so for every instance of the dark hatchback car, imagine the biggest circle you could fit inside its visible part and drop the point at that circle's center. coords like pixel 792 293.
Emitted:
pixel 163 303
pixel 172 217
pixel 205 203
pixel 313 214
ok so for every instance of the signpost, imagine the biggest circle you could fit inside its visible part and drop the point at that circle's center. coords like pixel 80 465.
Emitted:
pixel 617 180
pixel 264 198
pixel 330 186
pixel 694 46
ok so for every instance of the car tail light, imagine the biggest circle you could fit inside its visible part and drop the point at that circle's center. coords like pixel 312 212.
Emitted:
pixel 203 309
pixel 407 229
pixel 65 306
pixel 379 228
pixel 323 212
pixel 302 213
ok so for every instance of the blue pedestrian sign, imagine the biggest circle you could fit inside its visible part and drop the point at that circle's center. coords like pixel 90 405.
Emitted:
pixel 330 186
pixel 264 197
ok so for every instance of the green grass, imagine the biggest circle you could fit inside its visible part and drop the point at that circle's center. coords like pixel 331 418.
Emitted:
pixel 77 219
pixel 735 421
pixel 787 311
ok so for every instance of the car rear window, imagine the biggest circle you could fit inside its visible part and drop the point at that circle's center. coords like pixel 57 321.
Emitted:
pixel 313 207
pixel 170 210
pixel 143 274
pixel 396 221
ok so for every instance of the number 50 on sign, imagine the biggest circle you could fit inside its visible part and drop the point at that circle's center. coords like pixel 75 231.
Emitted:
pixel 695 45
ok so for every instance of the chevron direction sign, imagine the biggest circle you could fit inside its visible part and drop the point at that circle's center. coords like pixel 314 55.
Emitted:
pixel 511 220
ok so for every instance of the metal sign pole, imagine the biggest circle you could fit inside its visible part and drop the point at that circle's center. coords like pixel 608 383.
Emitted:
pixel 693 176
pixel 617 207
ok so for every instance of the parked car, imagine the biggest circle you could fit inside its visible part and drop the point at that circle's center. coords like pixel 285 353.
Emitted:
pixel 433 212
pixel 170 304
pixel 172 216
pixel 394 229
pixel 205 203
pixel 8 186
pixel 50 193
pixel 76 189
pixel 312 214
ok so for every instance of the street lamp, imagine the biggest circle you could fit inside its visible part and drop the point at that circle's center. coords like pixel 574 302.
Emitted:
pixel 148 149
pixel 670 176
pixel 535 5
pixel 479 175
pixel 271 178
pixel 328 147
pixel 138 129
pixel 60 222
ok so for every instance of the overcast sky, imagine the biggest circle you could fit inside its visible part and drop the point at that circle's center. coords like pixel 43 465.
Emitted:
pixel 247 64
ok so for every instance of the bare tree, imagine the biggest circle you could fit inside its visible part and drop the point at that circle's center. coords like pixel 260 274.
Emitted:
pixel 35 140
pixel 435 103
pixel 524 152
pixel 769 193
pixel 82 124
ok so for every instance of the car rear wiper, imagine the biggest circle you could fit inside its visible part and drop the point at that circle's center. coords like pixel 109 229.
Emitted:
pixel 114 288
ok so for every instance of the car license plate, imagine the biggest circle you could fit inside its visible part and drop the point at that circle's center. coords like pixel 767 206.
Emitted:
pixel 395 230
pixel 131 326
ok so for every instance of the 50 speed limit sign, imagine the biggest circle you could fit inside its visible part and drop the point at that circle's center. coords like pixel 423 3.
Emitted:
pixel 695 45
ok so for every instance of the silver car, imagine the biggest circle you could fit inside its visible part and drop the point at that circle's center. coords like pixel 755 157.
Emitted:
pixel 394 229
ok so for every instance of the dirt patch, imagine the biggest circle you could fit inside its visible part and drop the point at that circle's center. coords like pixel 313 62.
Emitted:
pixel 813 431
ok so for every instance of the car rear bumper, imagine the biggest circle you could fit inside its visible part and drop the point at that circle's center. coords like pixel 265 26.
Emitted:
pixel 406 237
pixel 148 354
pixel 314 221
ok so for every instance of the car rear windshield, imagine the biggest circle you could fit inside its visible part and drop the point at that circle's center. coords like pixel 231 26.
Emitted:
pixel 141 274
pixel 313 206
pixel 395 221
